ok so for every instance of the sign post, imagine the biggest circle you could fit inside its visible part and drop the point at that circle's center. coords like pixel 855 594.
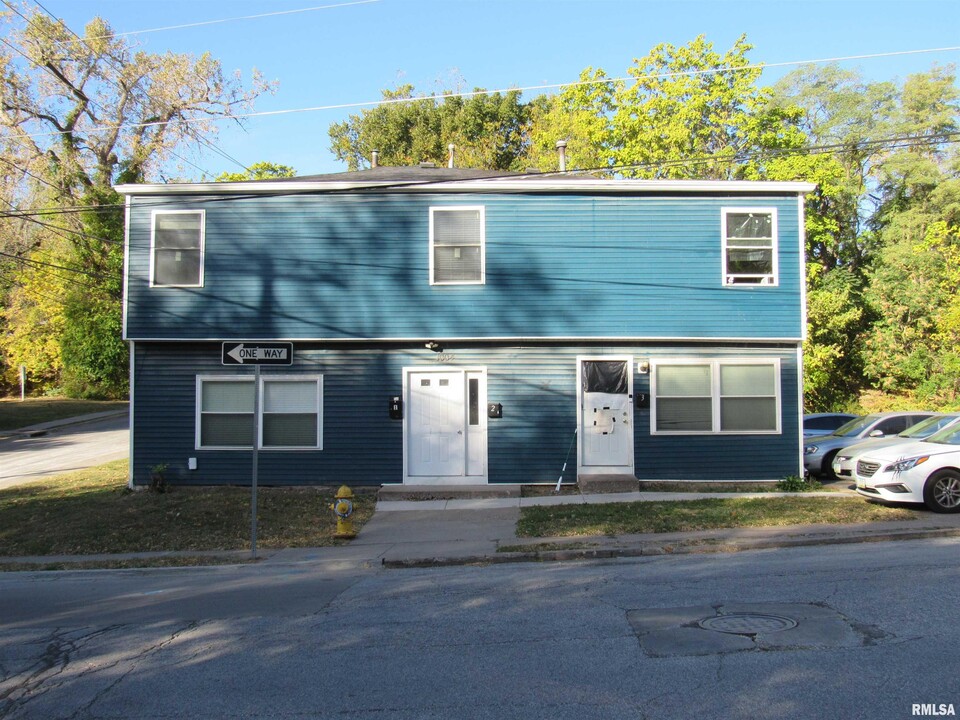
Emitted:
pixel 256 354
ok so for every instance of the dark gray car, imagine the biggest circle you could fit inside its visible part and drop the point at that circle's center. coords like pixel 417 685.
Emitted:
pixel 819 451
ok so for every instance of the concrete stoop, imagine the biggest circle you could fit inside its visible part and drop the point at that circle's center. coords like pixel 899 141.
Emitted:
pixel 590 484
pixel 447 492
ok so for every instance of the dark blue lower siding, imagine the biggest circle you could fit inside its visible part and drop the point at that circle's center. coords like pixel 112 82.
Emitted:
pixel 362 446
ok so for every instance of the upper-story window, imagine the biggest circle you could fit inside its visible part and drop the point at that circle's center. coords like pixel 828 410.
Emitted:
pixel 457 237
pixel 749 246
pixel 177 248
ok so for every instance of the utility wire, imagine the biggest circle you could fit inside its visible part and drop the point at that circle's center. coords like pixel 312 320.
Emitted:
pixel 110 61
pixel 878 144
pixel 552 86
pixel 232 19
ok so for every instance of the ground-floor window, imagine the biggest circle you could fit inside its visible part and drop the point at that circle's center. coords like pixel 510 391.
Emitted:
pixel 291 411
pixel 716 396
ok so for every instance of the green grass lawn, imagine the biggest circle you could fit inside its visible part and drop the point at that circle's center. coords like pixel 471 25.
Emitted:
pixel 686 515
pixel 15 414
pixel 92 511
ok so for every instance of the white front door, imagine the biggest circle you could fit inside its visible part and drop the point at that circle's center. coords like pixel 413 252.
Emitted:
pixel 605 395
pixel 445 428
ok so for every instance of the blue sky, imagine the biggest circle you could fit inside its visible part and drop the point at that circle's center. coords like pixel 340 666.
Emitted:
pixel 347 53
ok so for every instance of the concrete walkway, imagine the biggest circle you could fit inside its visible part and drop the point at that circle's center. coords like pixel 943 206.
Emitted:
pixel 412 533
pixel 481 532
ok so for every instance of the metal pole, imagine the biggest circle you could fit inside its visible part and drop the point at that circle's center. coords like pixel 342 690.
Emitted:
pixel 23 382
pixel 256 444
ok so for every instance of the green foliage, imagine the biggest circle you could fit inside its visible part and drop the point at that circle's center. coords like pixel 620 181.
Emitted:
pixel 33 321
pixel 488 131
pixel 912 346
pixel 259 171
pixel 581 114
pixel 95 357
pixel 693 113
pixel 832 366
pixel 797 484
pixel 78 116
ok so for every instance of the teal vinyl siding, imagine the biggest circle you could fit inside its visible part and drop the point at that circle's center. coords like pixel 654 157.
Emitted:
pixel 351 267
pixel 361 446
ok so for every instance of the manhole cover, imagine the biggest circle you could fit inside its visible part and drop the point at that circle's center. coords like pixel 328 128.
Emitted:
pixel 747 623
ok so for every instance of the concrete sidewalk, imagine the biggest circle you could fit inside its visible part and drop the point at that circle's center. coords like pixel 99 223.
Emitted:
pixel 422 533
pixel 435 533
pixel 478 531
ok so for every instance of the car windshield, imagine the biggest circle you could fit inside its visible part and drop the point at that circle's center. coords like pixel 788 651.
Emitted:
pixel 855 426
pixel 928 427
pixel 948 436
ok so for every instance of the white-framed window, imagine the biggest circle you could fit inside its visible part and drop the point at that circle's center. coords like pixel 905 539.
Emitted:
pixel 749 246
pixel 457 245
pixel 176 248
pixel 715 396
pixel 224 412
pixel 291 412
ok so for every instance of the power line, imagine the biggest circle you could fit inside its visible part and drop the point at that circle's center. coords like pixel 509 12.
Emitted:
pixel 552 86
pixel 896 142
pixel 232 19
pixel 110 61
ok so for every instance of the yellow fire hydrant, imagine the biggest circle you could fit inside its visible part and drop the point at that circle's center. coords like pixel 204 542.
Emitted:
pixel 343 508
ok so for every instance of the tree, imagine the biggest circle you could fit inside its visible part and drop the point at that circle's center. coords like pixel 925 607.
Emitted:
pixel 487 130
pixel 693 113
pixel 78 114
pixel 845 116
pixel 581 115
pixel 259 171
pixel 912 346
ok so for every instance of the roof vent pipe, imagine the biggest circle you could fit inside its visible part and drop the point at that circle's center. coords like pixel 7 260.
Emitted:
pixel 562 150
pixel 374 158
pixel 451 147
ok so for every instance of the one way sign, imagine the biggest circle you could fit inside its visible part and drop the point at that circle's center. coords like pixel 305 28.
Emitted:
pixel 257 353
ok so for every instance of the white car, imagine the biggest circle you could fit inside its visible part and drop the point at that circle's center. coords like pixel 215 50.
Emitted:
pixel 926 471
pixel 845 461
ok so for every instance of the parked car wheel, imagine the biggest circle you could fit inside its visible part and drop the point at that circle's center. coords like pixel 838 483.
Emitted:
pixel 826 470
pixel 941 492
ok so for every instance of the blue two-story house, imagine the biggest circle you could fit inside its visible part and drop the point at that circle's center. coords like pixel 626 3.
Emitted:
pixel 451 326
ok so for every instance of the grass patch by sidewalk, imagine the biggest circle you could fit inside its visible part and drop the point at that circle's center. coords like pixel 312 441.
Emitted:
pixel 707 514
pixel 32 411
pixel 92 512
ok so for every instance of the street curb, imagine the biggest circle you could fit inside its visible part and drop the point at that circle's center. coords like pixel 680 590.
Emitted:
pixel 704 546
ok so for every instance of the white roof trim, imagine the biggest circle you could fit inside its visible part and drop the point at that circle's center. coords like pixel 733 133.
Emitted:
pixel 521 340
pixel 520 184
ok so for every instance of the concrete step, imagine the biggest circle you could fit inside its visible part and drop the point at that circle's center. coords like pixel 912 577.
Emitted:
pixel 590 484
pixel 447 492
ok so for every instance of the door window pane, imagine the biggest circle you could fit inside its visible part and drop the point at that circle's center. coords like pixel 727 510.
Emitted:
pixel 605 376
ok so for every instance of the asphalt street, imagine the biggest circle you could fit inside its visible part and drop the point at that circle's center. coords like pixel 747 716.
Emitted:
pixel 873 634
pixel 23 459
